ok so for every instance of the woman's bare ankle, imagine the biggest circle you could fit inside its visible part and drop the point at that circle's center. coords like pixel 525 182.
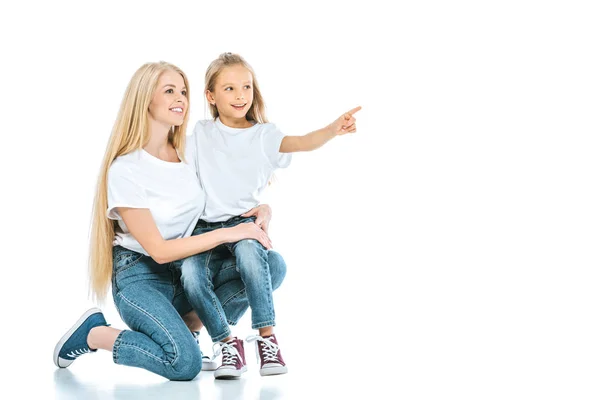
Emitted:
pixel 102 337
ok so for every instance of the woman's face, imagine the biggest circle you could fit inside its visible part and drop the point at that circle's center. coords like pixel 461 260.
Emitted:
pixel 169 103
pixel 233 92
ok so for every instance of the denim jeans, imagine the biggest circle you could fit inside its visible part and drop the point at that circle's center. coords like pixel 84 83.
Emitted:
pixel 261 272
pixel 150 299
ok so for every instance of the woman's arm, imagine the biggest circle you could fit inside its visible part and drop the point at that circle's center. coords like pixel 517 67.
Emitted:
pixel 314 140
pixel 140 223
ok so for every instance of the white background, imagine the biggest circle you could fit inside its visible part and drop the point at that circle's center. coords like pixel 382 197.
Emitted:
pixel 448 249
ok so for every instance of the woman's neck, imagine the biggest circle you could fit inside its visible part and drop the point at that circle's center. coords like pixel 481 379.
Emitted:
pixel 159 145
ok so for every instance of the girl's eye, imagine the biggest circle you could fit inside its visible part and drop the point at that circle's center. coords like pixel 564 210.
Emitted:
pixel 184 92
pixel 248 87
pixel 228 88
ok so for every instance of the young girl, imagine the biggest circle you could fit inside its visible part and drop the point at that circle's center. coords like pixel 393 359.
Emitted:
pixel 235 154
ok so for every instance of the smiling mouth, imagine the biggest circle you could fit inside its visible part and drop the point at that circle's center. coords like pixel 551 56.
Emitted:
pixel 239 106
pixel 177 110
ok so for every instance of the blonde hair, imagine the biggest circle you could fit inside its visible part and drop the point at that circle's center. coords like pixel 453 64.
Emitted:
pixel 130 133
pixel 256 113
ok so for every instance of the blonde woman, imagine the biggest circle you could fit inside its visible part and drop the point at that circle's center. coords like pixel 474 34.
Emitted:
pixel 147 204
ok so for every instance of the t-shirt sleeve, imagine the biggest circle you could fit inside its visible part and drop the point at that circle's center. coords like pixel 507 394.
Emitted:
pixel 123 191
pixel 271 141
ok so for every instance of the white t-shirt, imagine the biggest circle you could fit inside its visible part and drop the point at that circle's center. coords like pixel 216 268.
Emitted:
pixel 234 165
pixel 169 190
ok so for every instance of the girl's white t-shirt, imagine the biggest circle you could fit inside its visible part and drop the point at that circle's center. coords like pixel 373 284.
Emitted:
pixel 170 191
pixel 234 165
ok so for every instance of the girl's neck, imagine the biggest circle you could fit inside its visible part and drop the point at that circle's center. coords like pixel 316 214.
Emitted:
pixel 235 122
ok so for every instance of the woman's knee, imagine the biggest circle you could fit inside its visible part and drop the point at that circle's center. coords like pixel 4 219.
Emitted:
pixel 188 363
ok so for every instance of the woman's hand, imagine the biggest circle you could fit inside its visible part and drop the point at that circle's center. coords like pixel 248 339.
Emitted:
pixel 248 230
pixel 344 124
pixel 263 216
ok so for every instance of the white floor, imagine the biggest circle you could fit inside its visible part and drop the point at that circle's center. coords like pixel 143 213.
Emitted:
pixel 96 378
pixel 80 384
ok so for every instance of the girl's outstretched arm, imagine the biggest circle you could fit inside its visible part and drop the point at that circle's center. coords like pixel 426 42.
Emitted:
pixel 312 141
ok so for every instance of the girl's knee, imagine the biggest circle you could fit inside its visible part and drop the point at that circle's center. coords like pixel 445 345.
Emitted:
pixel 249 248
pixel 277 267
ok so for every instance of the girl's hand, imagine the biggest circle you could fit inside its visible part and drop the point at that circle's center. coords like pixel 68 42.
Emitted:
pixel 248 230
pixel 263 216
pixel 344 124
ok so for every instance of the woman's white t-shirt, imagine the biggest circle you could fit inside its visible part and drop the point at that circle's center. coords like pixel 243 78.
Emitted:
pixel 170 191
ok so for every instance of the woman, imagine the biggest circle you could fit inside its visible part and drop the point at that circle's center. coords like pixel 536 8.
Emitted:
pixel 147 204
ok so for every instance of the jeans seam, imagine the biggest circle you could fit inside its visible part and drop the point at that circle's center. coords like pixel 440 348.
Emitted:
pixel 267 284
pixel 236 295
pixel 173 342
pixel 208 259
pixel 125 267
pixel 214 299
pixel 116 347
pixel 221 336
pixel 263 324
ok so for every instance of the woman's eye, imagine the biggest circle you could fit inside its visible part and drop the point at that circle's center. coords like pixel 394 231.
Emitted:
pixel 184 92
pixel 169 91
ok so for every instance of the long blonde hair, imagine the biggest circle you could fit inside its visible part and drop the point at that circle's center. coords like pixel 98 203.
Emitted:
pixel 256 113
pixel 130 132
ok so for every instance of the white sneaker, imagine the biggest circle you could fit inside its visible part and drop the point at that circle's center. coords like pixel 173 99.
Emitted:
pixel 208 363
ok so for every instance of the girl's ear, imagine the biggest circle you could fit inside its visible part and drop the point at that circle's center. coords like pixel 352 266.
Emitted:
pixel 210 98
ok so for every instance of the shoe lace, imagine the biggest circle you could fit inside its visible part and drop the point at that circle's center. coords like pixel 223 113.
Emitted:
pixel 267 348
pixel 230 353
pixel 78 352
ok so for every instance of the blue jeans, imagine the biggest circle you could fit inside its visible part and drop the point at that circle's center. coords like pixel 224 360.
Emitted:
pixel 150 299
pixel 261 272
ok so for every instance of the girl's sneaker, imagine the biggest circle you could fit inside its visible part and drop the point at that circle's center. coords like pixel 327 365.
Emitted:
pixel 267 351
pixel 74 343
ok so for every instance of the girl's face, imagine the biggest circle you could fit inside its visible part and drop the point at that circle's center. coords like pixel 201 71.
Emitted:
pixel 169 103
pixel 233 93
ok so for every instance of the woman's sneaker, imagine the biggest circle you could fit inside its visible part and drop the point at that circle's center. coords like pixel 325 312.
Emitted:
pixel 233 362
pixel 74 343
pixel 208 363
pixel 269 355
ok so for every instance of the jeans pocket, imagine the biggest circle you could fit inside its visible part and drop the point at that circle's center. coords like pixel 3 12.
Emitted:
pixel 125 260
